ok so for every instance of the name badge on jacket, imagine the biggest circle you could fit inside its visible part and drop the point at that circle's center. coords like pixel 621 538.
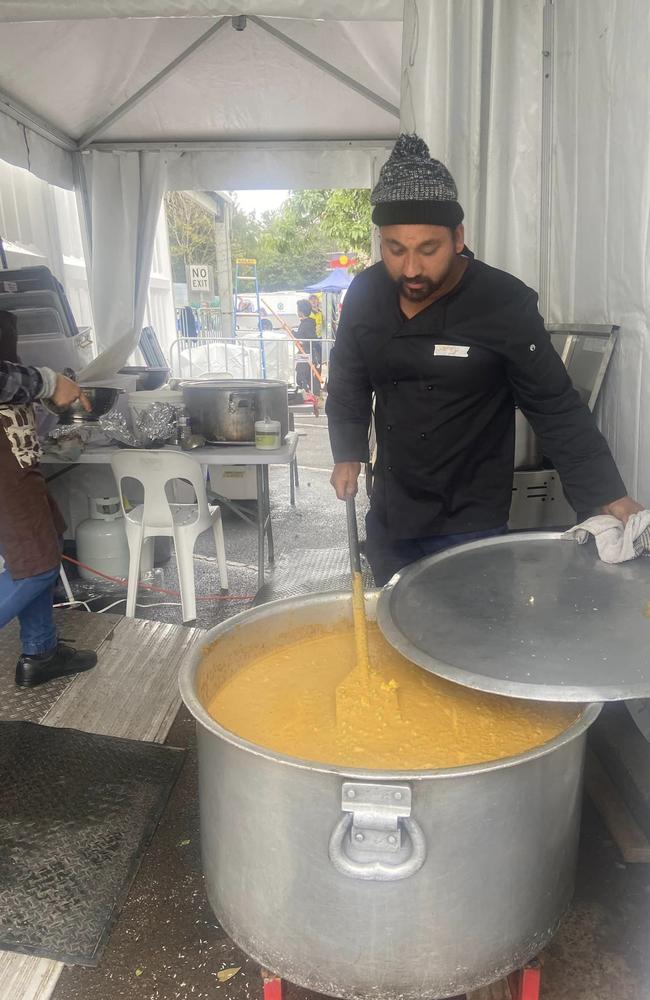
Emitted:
pixel 450 351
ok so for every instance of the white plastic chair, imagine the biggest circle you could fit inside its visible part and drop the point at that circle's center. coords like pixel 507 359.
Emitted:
pixel 158 516
pixel 66 585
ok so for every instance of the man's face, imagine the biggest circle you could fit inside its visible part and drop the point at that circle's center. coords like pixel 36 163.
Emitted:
pixel 315 304
pixel 420 258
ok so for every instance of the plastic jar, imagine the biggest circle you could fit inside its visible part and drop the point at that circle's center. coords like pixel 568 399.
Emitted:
pixel 268 434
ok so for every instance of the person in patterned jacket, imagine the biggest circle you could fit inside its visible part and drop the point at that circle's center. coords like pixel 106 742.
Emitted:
pixel 31 525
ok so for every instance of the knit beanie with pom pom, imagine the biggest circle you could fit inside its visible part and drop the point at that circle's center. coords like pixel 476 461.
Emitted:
pixel 414 189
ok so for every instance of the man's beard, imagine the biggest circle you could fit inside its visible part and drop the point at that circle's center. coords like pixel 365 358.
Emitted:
pixel 427 285
pixel 427 288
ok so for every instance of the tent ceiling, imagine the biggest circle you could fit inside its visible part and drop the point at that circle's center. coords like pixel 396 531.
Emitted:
pixel 238 85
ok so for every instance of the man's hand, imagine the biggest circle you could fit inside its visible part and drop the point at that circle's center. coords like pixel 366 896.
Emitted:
pixel 344 479
pixel 67 391
pixel 623 508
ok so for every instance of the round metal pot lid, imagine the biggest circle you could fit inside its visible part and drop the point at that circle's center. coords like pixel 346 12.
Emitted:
pixel 232 383
pixel 529 615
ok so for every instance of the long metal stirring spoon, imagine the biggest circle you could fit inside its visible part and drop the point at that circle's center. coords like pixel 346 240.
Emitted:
pixel 358 600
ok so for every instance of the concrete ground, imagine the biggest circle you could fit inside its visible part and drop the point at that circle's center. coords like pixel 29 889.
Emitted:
pixel 167 945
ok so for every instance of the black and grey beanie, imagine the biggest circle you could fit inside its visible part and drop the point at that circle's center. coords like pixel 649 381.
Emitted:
pixel 414 189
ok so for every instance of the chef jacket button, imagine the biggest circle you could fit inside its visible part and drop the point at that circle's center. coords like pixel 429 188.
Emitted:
pixel 394 381
pixel 389 427
pixel 423 436
pixel 429 387
pixel 390 468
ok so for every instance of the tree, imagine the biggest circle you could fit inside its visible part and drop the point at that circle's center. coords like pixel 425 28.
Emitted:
pixel 291 245
pixel 293 242
pixel 246 231
pixel 347 219
pixel 343 215
pixel 191 233
pixel 292 248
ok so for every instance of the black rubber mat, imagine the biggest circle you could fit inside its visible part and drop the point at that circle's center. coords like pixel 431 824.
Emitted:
pixel 76 814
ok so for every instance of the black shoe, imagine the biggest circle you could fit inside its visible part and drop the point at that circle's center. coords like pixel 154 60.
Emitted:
pixel 60 662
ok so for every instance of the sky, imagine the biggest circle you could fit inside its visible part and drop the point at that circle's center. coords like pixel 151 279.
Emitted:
pixel 260 201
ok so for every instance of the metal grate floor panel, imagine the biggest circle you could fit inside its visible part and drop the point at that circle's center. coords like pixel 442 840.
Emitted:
pixel 83 630
pixel 310 571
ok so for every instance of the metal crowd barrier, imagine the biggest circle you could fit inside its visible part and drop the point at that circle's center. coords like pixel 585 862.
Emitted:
pixel 203 321
pixel 271 357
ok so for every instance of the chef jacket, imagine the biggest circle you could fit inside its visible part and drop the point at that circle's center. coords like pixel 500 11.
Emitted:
pixel 446 383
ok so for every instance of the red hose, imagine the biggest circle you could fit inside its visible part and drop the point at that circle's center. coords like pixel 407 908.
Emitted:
pixel 159 590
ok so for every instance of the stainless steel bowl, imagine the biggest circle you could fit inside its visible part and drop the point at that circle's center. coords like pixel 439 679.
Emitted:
pixel 102 399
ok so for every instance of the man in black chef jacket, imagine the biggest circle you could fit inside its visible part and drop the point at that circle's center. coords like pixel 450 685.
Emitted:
pixel 448 346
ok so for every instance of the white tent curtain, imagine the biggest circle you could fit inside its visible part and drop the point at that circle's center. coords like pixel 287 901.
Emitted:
pixel 22 147
pixel 471 87
pixel 600 209
pixel 120 196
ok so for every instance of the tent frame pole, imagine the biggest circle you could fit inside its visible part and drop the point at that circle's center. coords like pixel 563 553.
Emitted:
pixel 35 123
pixel 212 145
pixel 109 120
pixel 546 157
pixel 327 67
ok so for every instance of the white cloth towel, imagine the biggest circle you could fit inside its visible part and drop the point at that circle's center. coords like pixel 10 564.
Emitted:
pixel 614 542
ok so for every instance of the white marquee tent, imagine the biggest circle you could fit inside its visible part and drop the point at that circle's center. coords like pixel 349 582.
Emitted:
pixel 541 109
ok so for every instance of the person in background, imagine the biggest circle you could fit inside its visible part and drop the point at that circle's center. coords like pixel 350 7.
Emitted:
pixel 306 334
pixel 317 347
pixel 337 318
pixel 306 322
pixel 31 525
pixel 316 314
pixel 188 323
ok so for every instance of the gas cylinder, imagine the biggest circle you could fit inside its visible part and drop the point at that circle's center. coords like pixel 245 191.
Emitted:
pixel 101 540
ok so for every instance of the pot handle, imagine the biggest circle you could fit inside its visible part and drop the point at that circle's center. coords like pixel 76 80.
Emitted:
pixel 240 401
pixel 375 816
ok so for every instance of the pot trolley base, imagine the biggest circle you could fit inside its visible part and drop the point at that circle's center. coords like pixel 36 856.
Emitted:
pixel 525 984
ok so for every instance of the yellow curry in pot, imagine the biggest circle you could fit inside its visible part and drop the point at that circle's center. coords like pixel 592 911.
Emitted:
pixel 315 698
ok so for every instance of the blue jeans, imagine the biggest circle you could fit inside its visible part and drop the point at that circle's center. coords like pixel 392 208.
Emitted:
pixel 30 600
pixel 388 555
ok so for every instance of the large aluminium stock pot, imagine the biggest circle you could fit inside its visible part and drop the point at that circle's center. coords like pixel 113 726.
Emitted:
pixel 470 885
pixel 224 411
